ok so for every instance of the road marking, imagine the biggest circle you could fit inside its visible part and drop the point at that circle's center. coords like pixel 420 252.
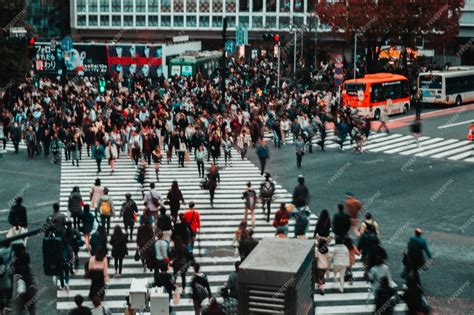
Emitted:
pixel 4 210
pixel 456 124
pixel 46 203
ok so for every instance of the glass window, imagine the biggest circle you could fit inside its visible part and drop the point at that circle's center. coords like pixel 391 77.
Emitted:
pixel 244 20
pixel 298 21
pixel 217 21
pixel 116 20
pixel 285 5
pixel 298 6
pixel 104 5
pixel 128 5
pixel 216 6
pixel 166 6
pixel 270 6
pixel 179 20
pixel 230 5
pixel 203 21
pixel 191 21
pixel 92 20
pixel 153 20
pixel 104 20
pixel 152 5
pixel 271 22
pixel 375 95
pixel 92 5
pixel 128 20
pixel 140 20
pixel 81 5
pixel 166 20
pixel 231 21
pixel 191 5
pixel 178 6
pixel 257 22
pixel 140 5
pixel 116 6
pixel 81 20
pixel 204 6
pixel 244 5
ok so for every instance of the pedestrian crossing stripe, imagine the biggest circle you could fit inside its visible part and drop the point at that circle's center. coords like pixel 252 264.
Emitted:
pixel 218 229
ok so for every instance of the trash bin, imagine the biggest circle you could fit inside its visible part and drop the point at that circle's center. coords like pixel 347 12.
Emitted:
pixel 277 278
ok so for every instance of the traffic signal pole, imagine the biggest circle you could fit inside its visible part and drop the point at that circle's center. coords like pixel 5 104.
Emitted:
pixel 278 82
pixel 223 62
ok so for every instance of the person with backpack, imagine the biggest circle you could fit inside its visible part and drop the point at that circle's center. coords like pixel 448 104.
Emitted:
pixel 267 190
pixel 74 240
pixel 56 222
pixel 280 221
pixel 200 289
pixel 118 240
pixel 369 220
pixel 153 201
pixel 98 153
pixel 129 213
pixel 165 224
pixel 250 197
pixel 106 209
pixel 17 215
pixel 87 226
pixel 74 206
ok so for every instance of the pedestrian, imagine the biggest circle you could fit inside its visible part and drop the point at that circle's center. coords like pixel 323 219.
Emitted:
pixel 164 224
pixel 98 308
pixel 111 152
pixel 417 247
pixel 31 141
pixel 323 258
pixel 98 153
pixel 118 241
pixel 341 222
pixel 215 147
pixel 74 149
pixel 75 204
pixel 299 149
pixel 353 207
pixel 129 213
pixel 17 215
pixel 152 200
pixel 300 193
pixel 135 152
pixel 267 191
pixel 247 244
pixel 193 218
pixel 243 142
pixel 416 130
pixel 97 191
pixel 323 227
pixel 213 308
pixel 174 198
pixel 99 240
pixel 232 283
pixel 280 221
pixel 181 259
pixel 106 209
pixel 213 177
pixel 229 304
pixel 162 248
pixel 79 309
pixel 377 272
pixel 56 146
pixel 87 226
pixel 156 156
pixel 322 136
pixel 353 252
pixel 200 289
pixel 65 267
pixel 385 298
pixel 141 175
pixel 340 262
pixel 164 279
pixel 414 298
pixel 6 275
pixel 383 120
pixel 369 220
pixel 263 153
pixel 56 222
pixel 227 146
pixel 145 238
pixel 250 197
pixel 15 136
pixel 74 240
pixel 199 155
pixel 366 246
pixel 96 270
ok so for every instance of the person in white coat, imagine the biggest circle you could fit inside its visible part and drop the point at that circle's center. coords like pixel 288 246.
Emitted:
pixel 111 152
pixel 340 261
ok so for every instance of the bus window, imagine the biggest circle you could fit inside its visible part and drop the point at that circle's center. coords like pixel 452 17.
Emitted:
pixel 353 88
pixel 430 82
pixel 376 95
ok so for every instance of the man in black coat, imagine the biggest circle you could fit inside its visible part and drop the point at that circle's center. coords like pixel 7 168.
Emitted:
pixel 341 222
pixel 17 215
pixel 247 245
pixel 80 310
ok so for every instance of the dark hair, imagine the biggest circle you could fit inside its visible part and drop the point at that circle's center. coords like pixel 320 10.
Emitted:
pixel 348 242
pixel 174 186
pixel 340 207
pixel 384 283
pixel 197 267
pixel 78 299
pixel 87 208
pixel 75 189
pixel 323 246
pixel 97 182
pixel 339 240
pixel 324 218
pixel 152 185
pixel 162 210
pixel 249 184
pixel 368 216
pixel 96 300
pixel 301 180
pixel 237 266
pixel 56 207
pixel 19 200
pixel 118 230
pixel 224 292
pixel 191 204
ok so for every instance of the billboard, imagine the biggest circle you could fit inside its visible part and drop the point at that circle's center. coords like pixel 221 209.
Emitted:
pixel 130 59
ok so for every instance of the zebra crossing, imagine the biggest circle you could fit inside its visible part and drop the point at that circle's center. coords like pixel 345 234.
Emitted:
pixel 406 145
pixel 214 249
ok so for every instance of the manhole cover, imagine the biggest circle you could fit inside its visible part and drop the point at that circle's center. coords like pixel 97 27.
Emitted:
pixel 222 252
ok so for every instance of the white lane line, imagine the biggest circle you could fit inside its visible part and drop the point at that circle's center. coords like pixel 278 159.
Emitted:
pixel 46 203
pixel 456 124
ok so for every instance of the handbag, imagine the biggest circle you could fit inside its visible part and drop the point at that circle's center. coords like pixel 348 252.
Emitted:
pixel 137 255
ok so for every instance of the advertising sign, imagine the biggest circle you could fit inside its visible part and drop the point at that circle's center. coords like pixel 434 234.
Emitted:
pixel 131 59
pixel 45 58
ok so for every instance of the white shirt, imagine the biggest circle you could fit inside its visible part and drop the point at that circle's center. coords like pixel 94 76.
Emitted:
pixel 148 198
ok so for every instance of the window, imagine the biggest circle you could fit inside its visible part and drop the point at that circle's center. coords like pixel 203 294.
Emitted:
pixel 271 22
pixel 152 5
pixel 92 20
pixel 430 82
pixel 244 5
pixel 376 94
pixel 230 5
pixel 128 20
pixel 81 20
pixel 116 20
pixel 92 5
pixel 166 6
pixel 140 5
pixel 270 6
pixel 203 21
pixel 203 5
pixel 191 21
pixel 458 85
pixel 217 21
pixel 81 5
pixel 116 6
pixel 216 6
pixel 104 20
pixel 392 90
pixel 298 21
pixel 257 22
pixel 104 5
pixel 178 5
pixel 153 20
pixel 166 21
pixel 179 21
pixel 231 21
pixel 298 6
pixel 244 21
pixel 128 5
pixel 191 5
pixel 354 88
pixel 285 5
pixel 140 20
pixel 284 22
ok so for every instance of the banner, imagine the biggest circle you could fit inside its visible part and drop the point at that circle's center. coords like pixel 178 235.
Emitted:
pixel 130 59
pixel 89 59
pixel 46 59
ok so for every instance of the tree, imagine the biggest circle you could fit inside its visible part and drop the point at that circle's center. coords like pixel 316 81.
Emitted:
pixel 14 61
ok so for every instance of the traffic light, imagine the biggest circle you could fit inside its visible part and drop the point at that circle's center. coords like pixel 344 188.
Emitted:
pixel 36 82
pixel 31 41
pixel 101 86
pixel 274 37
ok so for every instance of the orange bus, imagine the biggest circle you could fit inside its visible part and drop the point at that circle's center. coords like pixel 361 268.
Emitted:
pixel 374 92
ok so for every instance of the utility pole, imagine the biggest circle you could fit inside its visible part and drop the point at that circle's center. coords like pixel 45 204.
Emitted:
pixel 355 54
pixel 294 55
pixel 223 61
pixel 278 82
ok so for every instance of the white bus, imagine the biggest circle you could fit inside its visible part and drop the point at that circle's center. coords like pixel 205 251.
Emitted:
pixel 453 86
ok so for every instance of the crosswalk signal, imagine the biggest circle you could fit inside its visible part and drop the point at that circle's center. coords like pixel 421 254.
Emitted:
pixel 101 86
pixel 36 82
pixel 274 37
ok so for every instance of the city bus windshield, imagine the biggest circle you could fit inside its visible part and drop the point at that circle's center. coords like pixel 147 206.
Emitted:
pixel 353 88
pixel 430 82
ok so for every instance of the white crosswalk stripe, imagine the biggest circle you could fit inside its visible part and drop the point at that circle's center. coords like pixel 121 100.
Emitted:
pixel 217 234
pixel 436 148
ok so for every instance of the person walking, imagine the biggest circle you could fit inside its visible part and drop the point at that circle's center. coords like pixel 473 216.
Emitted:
pixel 263 153
pixel 74 206
pixel 165 224
pixel 98 153
pixel 164 279
pixel 267 190
pixel 118 241
pixel 213 178
pixel 227 146
pixel 416 130
pixel 87 226
pixel 299 149
pixel 340 261
pixel 98 308
pixel 417 247
pixel 129 214
pixel 250 197
pixel 111 152
pixel 366 245
pixel 99 240
pixel 377 272
pixel 31 141
pixel 385 298
pixel 161 251
pixel 156 156
pixel 323 226
pixel 323 258
pixel 79 309
pixel 193 218
pixel 243 143
pixel 17 215
pixel 280 221
pixel 96 270
pixel 300 193
pixel 200 289
pixel 15 136
pixel 106 209
pixel 369 220
pixel 353 252
pixel 97 191
pixel 181 259
pixel 175 197
pixel 74 149
pixel 341 222
pixel 152 199
pixel 383 120
pixel 199 155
